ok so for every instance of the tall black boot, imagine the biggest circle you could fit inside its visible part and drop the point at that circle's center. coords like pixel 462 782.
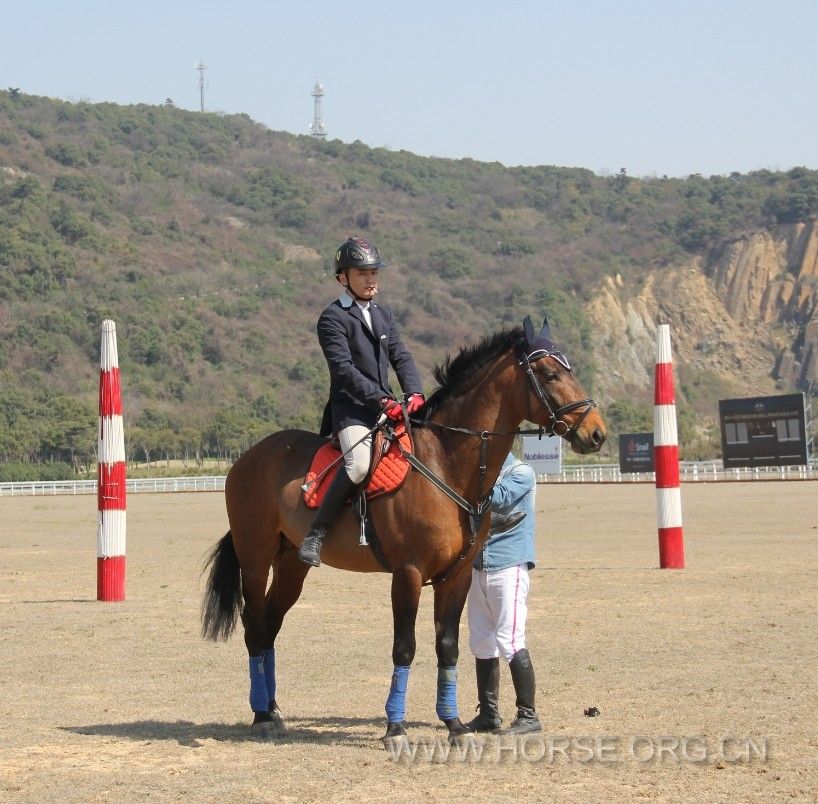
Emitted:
pixel 522 675
pixel 488 694
pixel 337 494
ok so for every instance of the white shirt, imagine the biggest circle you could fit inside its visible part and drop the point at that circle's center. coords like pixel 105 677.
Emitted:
pixel 347 300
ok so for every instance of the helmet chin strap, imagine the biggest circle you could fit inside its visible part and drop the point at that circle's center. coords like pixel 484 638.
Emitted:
pixel 351 292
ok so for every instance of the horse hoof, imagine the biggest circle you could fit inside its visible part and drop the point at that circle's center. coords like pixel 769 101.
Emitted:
pixel 395 729
pixel 397 746
pixel 463 740
pixel 395 740
pixel 277 724
pixel 268 729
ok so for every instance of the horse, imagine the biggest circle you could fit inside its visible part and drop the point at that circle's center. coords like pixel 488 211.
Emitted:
pixel 429 530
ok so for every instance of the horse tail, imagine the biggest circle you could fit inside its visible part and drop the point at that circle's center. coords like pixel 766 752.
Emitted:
pixel 223 599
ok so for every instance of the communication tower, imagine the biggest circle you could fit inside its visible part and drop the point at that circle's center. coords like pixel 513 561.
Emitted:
pixel 317 127
pixel 200 67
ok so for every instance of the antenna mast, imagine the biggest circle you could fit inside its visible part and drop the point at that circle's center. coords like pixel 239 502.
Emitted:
pixel 318 128
pixel 200 67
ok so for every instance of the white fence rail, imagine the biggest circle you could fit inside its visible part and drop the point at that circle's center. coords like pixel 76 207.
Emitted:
pixel 40 488
pixel 689 472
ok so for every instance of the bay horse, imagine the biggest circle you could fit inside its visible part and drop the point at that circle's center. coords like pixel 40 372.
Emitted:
pixel 429 530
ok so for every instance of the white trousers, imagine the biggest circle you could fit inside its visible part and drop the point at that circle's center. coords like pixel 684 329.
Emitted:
pixel 497 612
pixel 356 460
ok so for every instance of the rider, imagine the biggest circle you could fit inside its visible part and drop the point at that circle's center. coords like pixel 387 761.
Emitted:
pixel 360 340
pixel 497 601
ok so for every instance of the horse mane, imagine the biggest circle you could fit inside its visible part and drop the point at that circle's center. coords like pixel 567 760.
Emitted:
pixel 453 373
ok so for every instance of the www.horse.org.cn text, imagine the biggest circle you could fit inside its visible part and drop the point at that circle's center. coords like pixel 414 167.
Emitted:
pixel 607 749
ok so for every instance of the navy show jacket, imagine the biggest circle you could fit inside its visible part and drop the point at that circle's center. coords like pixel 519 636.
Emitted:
pixel 359 360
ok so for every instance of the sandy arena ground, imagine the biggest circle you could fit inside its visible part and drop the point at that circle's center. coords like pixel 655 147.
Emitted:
pixel 125 702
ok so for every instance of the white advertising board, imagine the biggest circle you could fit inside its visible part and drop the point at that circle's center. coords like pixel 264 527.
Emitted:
pixel 543 455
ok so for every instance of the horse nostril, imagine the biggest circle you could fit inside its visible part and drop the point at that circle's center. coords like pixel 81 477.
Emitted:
pixel 597 437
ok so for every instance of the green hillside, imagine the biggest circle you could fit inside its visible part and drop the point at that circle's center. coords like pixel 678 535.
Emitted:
pixel 208 240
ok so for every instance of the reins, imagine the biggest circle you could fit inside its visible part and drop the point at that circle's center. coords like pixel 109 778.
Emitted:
pixel 477 512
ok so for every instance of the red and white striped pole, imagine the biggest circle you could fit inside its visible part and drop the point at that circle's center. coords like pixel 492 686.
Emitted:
pixel 666 458
pixel 110 474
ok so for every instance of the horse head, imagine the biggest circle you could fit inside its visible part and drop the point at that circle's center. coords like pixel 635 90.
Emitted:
pixel 556 398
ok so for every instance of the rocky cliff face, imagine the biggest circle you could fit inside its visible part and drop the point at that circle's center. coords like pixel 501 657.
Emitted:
pixel 772 278
pixel 746 317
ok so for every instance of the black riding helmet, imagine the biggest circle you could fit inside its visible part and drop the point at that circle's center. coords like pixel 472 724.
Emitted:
pixel 357 253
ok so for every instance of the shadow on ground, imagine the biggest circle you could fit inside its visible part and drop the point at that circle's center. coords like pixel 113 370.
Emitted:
pixel 318 731
pixel 64 600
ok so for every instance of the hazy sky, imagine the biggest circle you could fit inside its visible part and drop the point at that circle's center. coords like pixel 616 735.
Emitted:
pixel 655 86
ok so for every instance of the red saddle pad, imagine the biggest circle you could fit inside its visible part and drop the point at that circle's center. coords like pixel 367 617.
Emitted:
pixel 389 473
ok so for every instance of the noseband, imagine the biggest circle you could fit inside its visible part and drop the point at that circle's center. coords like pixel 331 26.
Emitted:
pixel 556 426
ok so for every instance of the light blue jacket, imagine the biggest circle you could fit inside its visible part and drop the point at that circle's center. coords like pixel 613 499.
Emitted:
pixel 515 490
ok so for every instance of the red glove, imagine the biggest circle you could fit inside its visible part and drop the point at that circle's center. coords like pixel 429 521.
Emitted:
pixel 414 403
pixel 392 409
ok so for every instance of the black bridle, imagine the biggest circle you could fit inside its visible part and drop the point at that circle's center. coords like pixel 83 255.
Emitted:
pixel 556 426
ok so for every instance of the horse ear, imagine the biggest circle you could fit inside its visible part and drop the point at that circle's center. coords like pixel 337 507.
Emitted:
pixel 528 330
pixel 545 331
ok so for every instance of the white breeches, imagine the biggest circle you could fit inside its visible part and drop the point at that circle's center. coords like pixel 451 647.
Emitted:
pixel 497 612
pixel 357 459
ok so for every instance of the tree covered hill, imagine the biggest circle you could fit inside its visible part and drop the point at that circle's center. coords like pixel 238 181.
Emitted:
pixel 208 240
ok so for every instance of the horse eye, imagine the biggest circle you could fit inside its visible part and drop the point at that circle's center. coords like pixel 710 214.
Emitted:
pixel 550 376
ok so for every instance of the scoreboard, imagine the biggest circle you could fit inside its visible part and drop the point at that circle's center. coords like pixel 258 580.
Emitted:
pixel 763 431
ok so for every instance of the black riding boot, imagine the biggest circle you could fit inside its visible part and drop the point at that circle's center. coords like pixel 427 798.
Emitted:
pixel 488 693
pixel 337 494
pixel 522 675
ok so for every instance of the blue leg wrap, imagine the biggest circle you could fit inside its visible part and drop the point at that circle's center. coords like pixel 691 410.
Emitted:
pixel 396 702
pixel 259 699
pixel 269 656
pixel 446 705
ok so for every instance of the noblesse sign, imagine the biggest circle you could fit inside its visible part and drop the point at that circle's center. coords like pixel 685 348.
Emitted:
pixel 636 452
pixel 543 455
